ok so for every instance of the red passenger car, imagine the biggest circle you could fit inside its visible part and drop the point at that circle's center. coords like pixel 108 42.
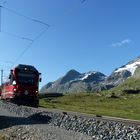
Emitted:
pixel 22 86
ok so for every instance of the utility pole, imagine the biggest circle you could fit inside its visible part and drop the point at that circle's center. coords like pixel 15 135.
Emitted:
pixel 1 76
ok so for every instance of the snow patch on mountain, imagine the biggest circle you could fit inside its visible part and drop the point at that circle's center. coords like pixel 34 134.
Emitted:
pixel 86 75
pixel 83 76
pixel 130 67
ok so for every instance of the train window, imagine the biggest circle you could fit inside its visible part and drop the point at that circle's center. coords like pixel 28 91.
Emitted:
pixel 26 78
pixel 11 77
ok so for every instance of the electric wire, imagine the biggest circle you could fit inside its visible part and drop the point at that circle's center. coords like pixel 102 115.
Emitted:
pixel 16 36
pixel 21 37
pixel 29 45
pixel 3 2
pixel 23 52
pixel 25 38
pixel 29 18
pixel 8 62
pixel 83 1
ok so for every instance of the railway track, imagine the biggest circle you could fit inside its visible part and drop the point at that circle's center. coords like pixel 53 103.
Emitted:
pixel 80 125
pixel 79 114
pixel 97 117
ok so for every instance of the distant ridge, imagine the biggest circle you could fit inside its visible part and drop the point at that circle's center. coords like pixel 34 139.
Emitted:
pixel 75 82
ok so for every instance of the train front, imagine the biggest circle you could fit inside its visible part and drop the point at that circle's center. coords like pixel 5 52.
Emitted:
pixel 25 80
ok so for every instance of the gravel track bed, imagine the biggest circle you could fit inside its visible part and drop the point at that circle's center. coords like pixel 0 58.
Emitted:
pixel 26 123
pixel 20 122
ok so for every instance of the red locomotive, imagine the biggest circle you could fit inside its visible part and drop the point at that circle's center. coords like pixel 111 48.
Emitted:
pixel 22 86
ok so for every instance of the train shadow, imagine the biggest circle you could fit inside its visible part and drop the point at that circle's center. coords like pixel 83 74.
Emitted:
pixel 9 121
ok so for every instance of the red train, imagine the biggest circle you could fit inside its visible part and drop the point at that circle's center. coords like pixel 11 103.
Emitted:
pixel 22 86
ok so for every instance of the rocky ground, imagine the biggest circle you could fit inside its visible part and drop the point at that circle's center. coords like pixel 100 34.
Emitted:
pixel 25 123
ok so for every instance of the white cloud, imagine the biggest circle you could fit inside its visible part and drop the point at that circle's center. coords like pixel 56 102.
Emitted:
pixel 121 43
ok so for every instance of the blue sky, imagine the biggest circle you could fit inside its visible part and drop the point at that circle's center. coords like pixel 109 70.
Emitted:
pixel 93 35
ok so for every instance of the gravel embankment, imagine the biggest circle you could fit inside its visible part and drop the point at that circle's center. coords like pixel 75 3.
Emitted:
pixel 19 122
pixel 24 123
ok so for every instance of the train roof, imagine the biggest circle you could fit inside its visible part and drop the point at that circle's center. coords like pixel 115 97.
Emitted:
pixel 23 67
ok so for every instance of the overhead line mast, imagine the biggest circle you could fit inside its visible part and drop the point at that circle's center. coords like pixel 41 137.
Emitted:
pixel 1 76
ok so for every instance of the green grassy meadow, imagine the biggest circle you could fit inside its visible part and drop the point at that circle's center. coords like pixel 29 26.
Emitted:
pixel 115 102
pixel 125 106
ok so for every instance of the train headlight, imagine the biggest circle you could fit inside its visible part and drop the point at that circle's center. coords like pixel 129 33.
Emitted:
pixel 14 83
pixel 14 89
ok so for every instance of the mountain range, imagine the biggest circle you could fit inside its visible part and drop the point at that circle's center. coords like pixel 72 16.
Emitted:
pixel 75 82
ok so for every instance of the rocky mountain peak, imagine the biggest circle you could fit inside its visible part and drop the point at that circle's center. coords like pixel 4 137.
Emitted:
pixel 93 76
pixel 70 75
pixel 73 81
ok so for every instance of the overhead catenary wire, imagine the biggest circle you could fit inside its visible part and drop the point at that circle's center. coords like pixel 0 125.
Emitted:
pixel 2 2
pixel 83 1
pixel 31 41
pixel 8 62
pixel 16 36
pixel 25 38
pixel 23 52
pixel 29 45
pixel 29 18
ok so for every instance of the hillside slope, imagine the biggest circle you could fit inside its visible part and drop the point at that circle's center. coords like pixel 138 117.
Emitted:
pixel 130 85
